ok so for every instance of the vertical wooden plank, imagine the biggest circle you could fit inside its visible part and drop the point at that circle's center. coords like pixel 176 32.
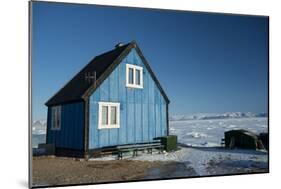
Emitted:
pixel 151 90
pixel 113 86
pixel 137 59
pixel 79 125
pixel 157 120
pixel 164 117
pixel 103 139
pixel 130 95
pixel 151 123
pixel 70 123
pixel 113 137
pixel 77 136
pixel 145 90
pixel 74 124
pixel 130 123
pixel 138 96
pixel 145 122
pixel 157 111
pixel 138 123
pixel 161 119
pixel 130 58
pixel 151 109
pixel 104 91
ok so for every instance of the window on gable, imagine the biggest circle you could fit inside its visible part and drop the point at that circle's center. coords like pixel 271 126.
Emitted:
pixel 56 118
pixel 131 76
pixel 134 76
pixel 109 113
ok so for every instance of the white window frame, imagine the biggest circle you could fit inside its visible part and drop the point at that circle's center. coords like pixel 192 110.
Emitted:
pixel 109 125
pixel 134 67
pixel 56 114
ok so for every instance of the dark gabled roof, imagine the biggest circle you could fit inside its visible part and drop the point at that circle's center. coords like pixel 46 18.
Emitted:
pixel 78 88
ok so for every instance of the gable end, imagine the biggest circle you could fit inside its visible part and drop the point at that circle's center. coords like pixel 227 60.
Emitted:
pixel 110 69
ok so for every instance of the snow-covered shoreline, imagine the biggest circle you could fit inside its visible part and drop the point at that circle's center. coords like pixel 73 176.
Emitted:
pixel 207 160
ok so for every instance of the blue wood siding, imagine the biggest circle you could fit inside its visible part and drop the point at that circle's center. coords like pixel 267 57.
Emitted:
pixel 71 134
pixel 142 111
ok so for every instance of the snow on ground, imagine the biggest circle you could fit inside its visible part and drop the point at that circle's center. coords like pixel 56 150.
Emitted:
pixel 207 160
pixel 206 156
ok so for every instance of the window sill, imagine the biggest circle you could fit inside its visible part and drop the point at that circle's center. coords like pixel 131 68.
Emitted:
pixel 134 86
pixel 109 126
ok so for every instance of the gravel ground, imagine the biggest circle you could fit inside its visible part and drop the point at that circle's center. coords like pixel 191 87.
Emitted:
pixel 61 171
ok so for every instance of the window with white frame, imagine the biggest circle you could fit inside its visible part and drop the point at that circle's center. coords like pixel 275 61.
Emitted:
pixel 109 114
pixel 134 76
pixel 56 118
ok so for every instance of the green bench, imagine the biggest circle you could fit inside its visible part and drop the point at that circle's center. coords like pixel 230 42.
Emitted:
pixel 138 147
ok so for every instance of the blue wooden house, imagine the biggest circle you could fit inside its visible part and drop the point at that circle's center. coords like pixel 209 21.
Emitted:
pixel 116 99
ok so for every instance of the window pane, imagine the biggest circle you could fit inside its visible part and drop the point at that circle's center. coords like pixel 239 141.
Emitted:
pixel 58 116
pixel 104 115
pixel 131 76
pixel 137 77
pixel 113 115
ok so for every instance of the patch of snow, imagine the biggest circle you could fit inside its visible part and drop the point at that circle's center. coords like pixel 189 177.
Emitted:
pixel 199 158
pixel 196 134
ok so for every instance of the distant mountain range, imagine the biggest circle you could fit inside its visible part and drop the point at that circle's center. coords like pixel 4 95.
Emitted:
pixel 39 126
pixel 206 116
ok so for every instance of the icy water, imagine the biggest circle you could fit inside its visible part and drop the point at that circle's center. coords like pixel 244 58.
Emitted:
pixel 208 133
pixel 37 139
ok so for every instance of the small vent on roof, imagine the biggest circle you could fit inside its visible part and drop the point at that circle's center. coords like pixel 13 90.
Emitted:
pixel 119 45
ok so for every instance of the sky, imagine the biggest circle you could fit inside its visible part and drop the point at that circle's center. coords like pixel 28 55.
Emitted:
pixel 211 63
